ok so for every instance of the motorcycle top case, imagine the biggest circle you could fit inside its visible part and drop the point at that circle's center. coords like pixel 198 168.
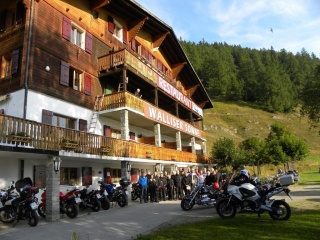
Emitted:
pixel 287 180
pixel 24 187
pixel 125 182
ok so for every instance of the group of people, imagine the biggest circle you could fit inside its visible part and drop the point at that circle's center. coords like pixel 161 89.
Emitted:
pixel 163 186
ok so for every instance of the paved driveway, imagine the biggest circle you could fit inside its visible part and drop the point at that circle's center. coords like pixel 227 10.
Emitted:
pixel 116 223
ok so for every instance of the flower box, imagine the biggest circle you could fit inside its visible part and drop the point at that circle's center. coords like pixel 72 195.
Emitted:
pixel 22 139
pixel 149 155
pixel 105 149
pixel 68 145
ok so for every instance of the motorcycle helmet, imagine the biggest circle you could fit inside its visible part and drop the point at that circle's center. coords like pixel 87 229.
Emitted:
pixel 280 171
pixel 244 174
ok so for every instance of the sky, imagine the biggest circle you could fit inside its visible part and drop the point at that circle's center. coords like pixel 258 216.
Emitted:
pixel 282 24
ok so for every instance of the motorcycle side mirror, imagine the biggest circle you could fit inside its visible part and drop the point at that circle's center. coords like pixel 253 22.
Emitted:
pixel 12 182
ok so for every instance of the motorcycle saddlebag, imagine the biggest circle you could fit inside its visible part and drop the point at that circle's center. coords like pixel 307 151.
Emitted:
pixel 287 180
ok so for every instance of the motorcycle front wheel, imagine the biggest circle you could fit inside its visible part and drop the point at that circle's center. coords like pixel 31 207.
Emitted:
pixel 96 205
pixel 5 216
pixel 281 211
pixel 186 204
pixel 134 196
pixel 105 203
pixel 32 217
pixel 226 209
pixel 42 210
pixel 122 201
pixel 72 210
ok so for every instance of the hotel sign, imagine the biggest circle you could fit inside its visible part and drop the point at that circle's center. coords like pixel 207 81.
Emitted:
pixel 175 93
pixel 169 120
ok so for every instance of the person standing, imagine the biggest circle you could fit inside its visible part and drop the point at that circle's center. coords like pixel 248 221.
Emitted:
pixel 152 187
pixel 143 181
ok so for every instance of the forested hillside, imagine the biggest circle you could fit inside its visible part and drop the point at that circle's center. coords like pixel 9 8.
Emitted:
pixel 269 79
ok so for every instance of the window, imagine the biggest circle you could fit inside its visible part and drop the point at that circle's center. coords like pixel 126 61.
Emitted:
pixel 77 36
pixel 9 64
pixel 118 31
pixel 6 65
pixel 62 121
pixel 75 80
pixel 115 134
pixel 69 176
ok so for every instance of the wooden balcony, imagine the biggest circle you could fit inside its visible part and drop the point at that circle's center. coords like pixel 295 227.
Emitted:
pixel 126 99
pixel 48 137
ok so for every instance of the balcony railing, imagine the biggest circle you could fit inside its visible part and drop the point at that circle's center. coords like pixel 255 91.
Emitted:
pixel 126 99
pixel 31 134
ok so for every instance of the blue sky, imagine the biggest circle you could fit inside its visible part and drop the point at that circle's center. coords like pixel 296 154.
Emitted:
pixel 295 23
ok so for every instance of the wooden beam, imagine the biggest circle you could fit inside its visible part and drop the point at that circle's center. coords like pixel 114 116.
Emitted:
pixel 135 27
pixel 191 90
pixel 176 68
pixel 201 105
pixel 96 4
pixel 157 40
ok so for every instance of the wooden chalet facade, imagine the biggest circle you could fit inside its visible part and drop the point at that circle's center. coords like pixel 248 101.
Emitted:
pixel 68 75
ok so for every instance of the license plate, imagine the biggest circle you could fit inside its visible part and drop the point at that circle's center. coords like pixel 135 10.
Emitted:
pixel 98 196
pixel 105 193
pixel 78 200
pixel 33 205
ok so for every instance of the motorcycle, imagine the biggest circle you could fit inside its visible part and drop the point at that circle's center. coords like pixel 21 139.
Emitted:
pixel 104 200
pixel 69 203
pixel 90 199
pixel 248 198
pixel 201 195
pixel 136 191
pixel 118 194
pixel 22 206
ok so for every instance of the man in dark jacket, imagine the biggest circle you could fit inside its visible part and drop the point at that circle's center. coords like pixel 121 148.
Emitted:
pixel 162 187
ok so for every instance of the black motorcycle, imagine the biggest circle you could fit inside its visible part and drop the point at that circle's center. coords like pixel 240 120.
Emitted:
pixel 201 195
pixel 136 191
pixel 104 200
pixel 118 194
pixel 22 207
pixel 90 199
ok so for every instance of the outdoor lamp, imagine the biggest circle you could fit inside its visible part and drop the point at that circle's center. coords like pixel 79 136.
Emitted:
pixel 128 167
pixel 56 164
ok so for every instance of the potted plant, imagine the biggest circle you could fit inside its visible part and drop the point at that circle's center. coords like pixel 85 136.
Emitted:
pixel 149 154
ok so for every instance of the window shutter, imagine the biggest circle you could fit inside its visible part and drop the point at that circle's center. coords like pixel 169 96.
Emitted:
pixel 15 61
pixel 47 117
pixel 150 57
pixel 110 24
pixel 3 16
pixel 87 84
pixel 19 12
pixel 107 131
pixel 83 125
pixel 133 44
pixel 125 36
pixel 143 51
pixel 64 75
pixel 89 42
pixel 1 111
pixel 66 28
pixel 159 65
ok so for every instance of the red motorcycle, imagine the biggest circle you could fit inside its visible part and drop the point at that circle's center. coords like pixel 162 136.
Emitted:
pixel 69 203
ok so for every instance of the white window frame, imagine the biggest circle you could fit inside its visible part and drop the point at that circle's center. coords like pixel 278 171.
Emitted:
pixel 75 32
pixel 74 72
pixel 118 30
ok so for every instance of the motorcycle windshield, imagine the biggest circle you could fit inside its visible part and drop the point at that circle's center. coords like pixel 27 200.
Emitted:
pixel 23 183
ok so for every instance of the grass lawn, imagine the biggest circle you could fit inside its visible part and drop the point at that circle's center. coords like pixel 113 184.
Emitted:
pixel 302 225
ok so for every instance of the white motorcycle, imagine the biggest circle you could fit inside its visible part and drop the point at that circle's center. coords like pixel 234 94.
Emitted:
pixel 248 198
